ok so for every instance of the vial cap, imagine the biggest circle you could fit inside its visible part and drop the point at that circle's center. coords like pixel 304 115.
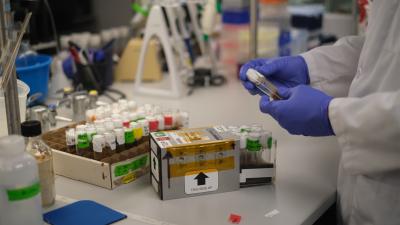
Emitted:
pixel 31 128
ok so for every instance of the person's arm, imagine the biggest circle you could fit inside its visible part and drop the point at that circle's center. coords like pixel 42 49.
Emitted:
pixel 368 130
pixel 332 68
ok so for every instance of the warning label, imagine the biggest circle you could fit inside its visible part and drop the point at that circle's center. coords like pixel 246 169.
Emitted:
pixel 201 181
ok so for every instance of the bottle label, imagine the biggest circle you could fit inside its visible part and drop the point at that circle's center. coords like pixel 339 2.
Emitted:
pixel 23 193
pixel 83 141
pixel 129 137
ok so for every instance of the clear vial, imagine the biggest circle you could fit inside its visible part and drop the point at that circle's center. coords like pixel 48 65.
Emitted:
pixel 32 132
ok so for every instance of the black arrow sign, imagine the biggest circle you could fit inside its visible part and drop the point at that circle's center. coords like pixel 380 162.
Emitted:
pixel 154 163
pixel 168 156
pixel 201 179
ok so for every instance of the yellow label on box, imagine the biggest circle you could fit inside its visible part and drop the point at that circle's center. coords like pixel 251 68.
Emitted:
pixel 178 170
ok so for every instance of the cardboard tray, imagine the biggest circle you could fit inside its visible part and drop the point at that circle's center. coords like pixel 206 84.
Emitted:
pixel 109 173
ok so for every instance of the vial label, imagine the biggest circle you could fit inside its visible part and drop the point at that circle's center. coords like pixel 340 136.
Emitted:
pixel 83 141
pixel 129 137
pixel 138 133
pixel 253 145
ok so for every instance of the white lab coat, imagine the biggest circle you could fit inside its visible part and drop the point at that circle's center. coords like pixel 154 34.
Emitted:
pixel 363 73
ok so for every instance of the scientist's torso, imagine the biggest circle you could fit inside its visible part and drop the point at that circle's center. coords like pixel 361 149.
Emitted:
pixel 368 199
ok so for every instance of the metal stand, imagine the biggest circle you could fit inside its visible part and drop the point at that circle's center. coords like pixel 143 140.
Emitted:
pixel 9 76
pixel 253 28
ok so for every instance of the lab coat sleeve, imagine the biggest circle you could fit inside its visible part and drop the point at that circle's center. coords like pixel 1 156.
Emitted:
pixel 332 68
pixel 368 131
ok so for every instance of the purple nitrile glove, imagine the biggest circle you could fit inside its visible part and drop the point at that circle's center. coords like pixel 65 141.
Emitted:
pixel 288 71
pixel 303 110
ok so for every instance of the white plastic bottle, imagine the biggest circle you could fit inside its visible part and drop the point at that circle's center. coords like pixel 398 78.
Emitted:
pixel 20 200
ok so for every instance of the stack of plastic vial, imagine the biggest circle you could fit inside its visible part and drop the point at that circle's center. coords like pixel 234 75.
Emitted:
pixel 255 144
pixel 120 126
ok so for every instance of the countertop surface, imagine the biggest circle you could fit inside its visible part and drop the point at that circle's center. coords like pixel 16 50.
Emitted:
pixel 306 171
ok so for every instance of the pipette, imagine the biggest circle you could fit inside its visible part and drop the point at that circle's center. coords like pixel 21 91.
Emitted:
pixel 263 84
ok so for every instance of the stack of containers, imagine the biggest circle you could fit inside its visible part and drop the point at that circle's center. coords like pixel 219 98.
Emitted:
pixel 274 28
pixel 234 39
pixel 306 22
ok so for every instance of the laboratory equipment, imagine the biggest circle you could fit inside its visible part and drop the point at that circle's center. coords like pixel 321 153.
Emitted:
pixel 41 114
pixel 32 131
pixel 109 170
pixel 19 181
pixel 34 70
pixel 193 162
pixel 70 141
pixel 120 139
pixel 10 47
pixel 82 142
pixel 263 84
pixel 257 154
pixel 23 91
pixel 156 26
pixel 99 143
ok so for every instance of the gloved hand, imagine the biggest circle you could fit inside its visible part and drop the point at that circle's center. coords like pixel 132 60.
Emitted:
pixel 304 110
pixel 288 71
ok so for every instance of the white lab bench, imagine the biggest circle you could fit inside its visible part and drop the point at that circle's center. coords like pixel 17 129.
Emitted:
pixel 306 175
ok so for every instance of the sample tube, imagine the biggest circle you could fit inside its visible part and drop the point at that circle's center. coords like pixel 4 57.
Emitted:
pixel 132 117
pixel 153 124
pixel 70 139
pixel 91 131
pixel 137 131
pixel 101 130
pixel 254 148
pixel 161 124
pixel 243 143
pixel 109 125
pixel 115 116
pixel 141 115
pixel 256 128
pixel 184 119
pixel 98 123
pixel 98 147
pixel 168 121
pixel 118 123
pixel 145 125
pixel 99 113
pixel 132 106
pixel 119 133
pixel 245 128
pixel 126 122
pixel 266 142
pixel 129 138
pixel 82 142
pixel 261 82
pixel 111 145
pixel 90 115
